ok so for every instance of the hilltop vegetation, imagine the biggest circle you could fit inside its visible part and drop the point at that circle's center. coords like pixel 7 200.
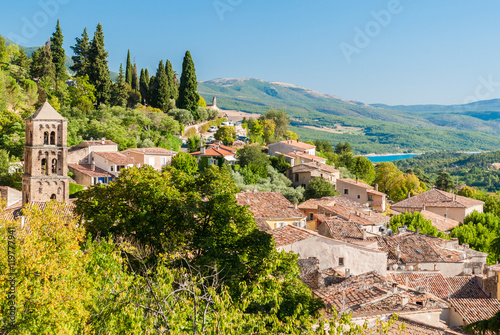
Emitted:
pixel 385 129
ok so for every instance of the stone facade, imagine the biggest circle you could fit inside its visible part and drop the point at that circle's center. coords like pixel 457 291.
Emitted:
pixel 45 157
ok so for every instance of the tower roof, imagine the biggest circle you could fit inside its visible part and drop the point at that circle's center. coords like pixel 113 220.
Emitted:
pixel 46 112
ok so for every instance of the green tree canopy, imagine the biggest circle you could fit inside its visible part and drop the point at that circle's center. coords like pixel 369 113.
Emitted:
pixel 362 167
pixel 81 58
pixel 226 134
pixel 99 71
pixel 318 188
pixel 414 221
pixel 443 181
pixel 185 162
pixel 252 153
pixel 58 54
pixel 188 90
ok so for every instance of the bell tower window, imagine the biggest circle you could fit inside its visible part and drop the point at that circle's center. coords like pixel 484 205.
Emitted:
pixel 54 166
pixel 53 138
pixel 46 138
pixel 44 166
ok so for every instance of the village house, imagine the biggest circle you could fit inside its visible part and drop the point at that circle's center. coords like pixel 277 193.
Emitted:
pixel 81 153
pixel 158 158
pixel 362 193
pixel 370 296
pixel 331 253
pixel 271 209
pixel 10 195
pixel 216 153
pixel 301 175
pixel 89 174
pixel 464 311
pixel 310 207
pixel 442 203
pixel 111 162
pixel 288 146
pixel 371 221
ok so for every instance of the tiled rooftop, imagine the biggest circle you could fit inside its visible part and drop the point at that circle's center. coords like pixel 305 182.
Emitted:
pixel 466 287
pixel 216 151
pixel 313 166
pixel 440 222
pixel 330 201
pixel 416 327
pixel 297 144
pixel 437 198
pixel 271 205
pixel 87 170
pixel 429 281
pixel 290 234
pixel 472 310
pixel 96 142
pixel 116 158
pixel 151 151
pixel 346 213
pixel 356 183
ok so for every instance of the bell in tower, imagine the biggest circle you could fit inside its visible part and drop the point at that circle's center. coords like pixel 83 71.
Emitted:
pixel 45 154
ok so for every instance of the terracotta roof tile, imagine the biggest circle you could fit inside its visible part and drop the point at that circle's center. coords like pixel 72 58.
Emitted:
pixel 346 213
pixel 290 234
pixel 466 287
pixel 271 205
pixel 116 157
pixel 330 201
pixel 87 170
pixel 357 183
pixel 313 166
pixel 472 310
pixel 417 327
pixel 428 281
pixel 440 222
pixel 299 154
pixel 297 144
pixel 46 112
pixel 96 142
pixel 437 198
pixel 151 151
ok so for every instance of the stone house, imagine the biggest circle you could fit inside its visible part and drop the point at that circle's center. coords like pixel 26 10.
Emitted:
pixel 442 203
pixel 216 152
pixel 81 153
pixel 301 175
pixel 331 253
pixel 271 209
pixel 362 193
pixel 491 281
pixel 158 158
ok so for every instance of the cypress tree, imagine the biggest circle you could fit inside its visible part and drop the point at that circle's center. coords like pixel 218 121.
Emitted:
pixel 144 86
pixel 160 94
pixel 188 95
pixel 58 54
pixel 120 90
pixel 41 63
pixel 174 91
pixel 128 70
pixel 81 50
pixel 152 84
pixel 99 71
pixel 135 82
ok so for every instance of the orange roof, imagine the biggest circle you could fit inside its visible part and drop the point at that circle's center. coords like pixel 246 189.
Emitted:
pixel 272 205
pixel 297 144
pixel 116 157
pixel 86 169
pixel 355 182
pixel 438 221
pixel 151 151
pixel 437 198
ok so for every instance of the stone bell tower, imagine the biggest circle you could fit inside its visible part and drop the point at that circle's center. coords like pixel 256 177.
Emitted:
pixel 45 157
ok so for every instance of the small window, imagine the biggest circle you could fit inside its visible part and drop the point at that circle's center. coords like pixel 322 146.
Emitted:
pixel 111 168
pixel 341 261
pixel 44 166
pixel 296 177
pixel 346 191
pixel 359 196
pixel 311 216
pixel 53 197
pixel 280 224
pixel 164 161
pixel 370 198
pixel 54 166
pixel 46 138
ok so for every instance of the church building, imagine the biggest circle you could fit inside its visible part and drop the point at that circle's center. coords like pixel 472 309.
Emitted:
pixel 45 157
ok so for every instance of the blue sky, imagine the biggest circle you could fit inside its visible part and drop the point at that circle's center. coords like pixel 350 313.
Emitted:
pixel 392 51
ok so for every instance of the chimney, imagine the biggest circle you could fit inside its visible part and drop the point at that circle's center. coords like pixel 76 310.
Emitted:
pixel 416 231
pixel 409 196
pixel 435 267
pixel 357 179
pixel 349 217
pixel 376 187
pixel 255 189
pixel 370 213
pixel 93 166
pixel 103 140
pixel 364 235
pixel 295 205
pixel 394 288
pixel 202 148
pixel 404 300
pixel 347 273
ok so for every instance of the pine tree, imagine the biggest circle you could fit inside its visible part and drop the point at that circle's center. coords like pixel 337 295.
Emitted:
pixel 188 95
pixel 135 82
pixel 58 54
pixel 174 91
pixel 144 86
pixel 128 70
pixel 120 93
pixel 42 65
pixel 160 97
pixel 22 60
pixel 4 56
pixel 99 71
pixel 81 50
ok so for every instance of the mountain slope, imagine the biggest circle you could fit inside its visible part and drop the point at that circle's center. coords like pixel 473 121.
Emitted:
pixel 379 128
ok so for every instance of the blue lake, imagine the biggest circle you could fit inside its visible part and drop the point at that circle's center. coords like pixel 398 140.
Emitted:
pixel 389 158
